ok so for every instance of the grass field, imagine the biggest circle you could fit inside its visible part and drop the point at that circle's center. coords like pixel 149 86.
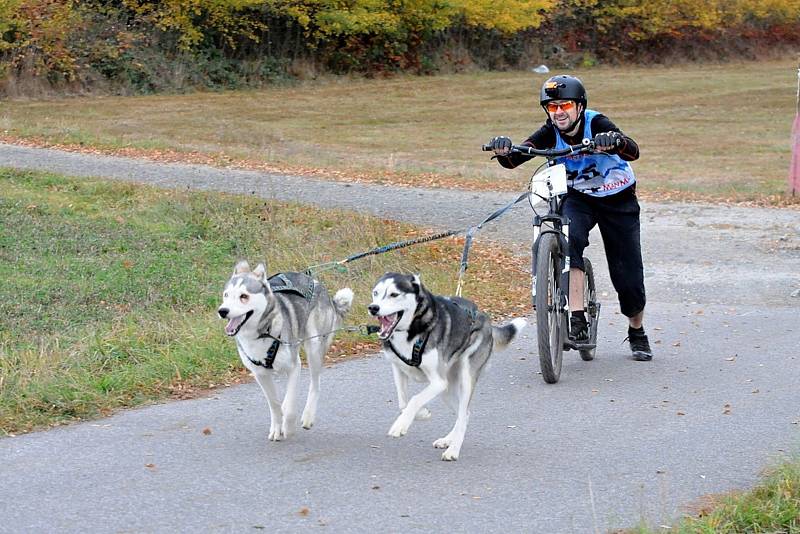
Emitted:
pixel 772 507
pixel 702 128
pixel 108 291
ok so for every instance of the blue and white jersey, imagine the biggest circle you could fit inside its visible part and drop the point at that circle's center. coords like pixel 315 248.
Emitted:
pixel 598 175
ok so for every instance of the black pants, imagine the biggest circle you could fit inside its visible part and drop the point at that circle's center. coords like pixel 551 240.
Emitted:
pixel 617 216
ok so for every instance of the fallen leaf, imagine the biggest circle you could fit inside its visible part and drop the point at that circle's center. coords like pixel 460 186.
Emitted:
pixel 206 431
pixel 304 511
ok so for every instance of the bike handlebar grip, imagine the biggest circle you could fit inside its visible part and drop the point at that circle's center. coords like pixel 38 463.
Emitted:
pixel 523 148
pixel 486 148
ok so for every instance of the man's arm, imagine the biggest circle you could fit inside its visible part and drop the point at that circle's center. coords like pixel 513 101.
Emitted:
pixel 628 150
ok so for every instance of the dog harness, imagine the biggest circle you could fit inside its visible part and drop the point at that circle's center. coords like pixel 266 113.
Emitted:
pixel 416 352
pixel 419 344
pixel 272 351
pixel 298 283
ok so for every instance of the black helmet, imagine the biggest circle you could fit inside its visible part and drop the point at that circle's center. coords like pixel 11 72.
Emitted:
pixel 563 87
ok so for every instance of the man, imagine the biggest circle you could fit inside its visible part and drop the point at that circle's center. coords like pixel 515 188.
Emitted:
pixel 602 192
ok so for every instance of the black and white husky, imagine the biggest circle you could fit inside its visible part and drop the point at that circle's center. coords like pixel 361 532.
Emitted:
pixel 444 341
pixel 270 320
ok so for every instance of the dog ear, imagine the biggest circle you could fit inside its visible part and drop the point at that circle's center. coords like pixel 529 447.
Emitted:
pixel 241 267
pixel 416 283
pixel 261 272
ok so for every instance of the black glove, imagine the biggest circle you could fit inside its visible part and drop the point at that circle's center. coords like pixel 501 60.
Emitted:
pixel 608 141
pixel 501 145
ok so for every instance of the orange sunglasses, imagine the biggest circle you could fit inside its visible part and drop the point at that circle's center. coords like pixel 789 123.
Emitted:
pixel 552 107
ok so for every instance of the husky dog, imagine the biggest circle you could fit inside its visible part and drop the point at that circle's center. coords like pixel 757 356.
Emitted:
pixel 270 319
pixel 444 341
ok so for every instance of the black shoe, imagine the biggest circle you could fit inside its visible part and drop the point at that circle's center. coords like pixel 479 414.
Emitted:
pixel 579 329
pixel 640 345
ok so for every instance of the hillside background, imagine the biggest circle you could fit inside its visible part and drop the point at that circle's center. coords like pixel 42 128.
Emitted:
pixel 138 46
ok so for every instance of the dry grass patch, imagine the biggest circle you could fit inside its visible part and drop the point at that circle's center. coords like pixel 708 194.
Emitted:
pixel 699 132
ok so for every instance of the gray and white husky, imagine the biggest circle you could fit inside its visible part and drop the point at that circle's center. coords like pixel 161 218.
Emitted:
pixel 270 320
pixel 444 341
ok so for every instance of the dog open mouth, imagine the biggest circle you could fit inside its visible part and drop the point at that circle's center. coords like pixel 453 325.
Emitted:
pixel 388 324
pixel 236 323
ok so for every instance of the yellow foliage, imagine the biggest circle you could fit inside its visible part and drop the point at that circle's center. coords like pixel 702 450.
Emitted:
pixel 57 38
pixel 508 17
pixel 649 18
pixel 40 29
pixel 337 17
pixel 193 19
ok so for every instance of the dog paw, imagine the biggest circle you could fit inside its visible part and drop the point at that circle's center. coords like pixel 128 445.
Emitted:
pixel 423 414
pixel 275 435
pixel 287 430
pixel 399 428
pixel 442 443
pixel 450 455
pixel 307 420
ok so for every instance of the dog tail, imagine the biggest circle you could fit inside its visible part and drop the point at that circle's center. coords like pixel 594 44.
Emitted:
pixel 503 335
pixel 343 301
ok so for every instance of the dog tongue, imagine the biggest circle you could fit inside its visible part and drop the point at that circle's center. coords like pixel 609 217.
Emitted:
pixel 387 321
pixel 233 324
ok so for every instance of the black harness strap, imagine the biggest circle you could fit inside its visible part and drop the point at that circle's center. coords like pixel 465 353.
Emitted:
pixel 272 351
pixel 419 344
pixel 416 353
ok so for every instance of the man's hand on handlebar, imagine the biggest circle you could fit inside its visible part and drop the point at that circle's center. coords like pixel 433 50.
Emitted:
pixel 501 145
pixel 607 141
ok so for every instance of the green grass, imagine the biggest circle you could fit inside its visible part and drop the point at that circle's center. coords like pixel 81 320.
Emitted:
pixel 720 130
pixel 772 507
pixel 108 290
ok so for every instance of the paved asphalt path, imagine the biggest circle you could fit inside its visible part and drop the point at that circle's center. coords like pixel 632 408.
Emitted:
pixel 613 444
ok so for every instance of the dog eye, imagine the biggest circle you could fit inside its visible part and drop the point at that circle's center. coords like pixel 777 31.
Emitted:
pixel 225 295
pixel 394 295
pixel 245 297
